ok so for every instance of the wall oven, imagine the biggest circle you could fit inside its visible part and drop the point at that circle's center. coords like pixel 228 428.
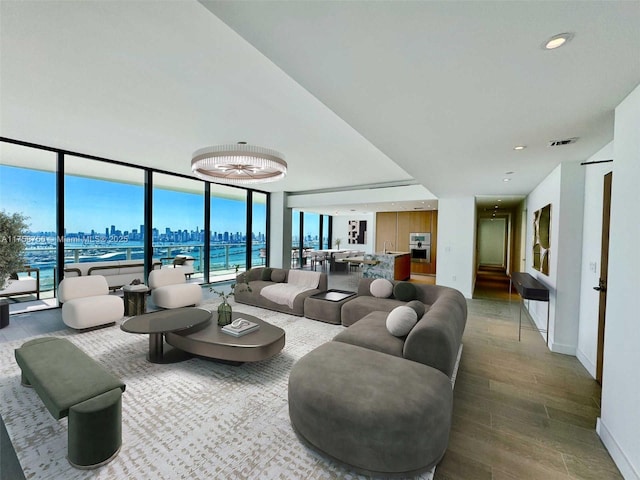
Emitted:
pixel 420 247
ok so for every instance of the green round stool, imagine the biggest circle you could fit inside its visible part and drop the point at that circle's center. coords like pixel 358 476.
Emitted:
pixel 95 430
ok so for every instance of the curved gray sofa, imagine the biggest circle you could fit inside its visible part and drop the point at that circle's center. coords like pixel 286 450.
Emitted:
pixel 365 303
pixel 254 278
pixel 378 403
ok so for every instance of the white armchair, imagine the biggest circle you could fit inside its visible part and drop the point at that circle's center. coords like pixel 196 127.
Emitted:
pixel 86 302
pixel 169 289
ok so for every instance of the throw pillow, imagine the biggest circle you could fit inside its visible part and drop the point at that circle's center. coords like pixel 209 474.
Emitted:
pixel 253 274
pixel 418 306
pixel 401 320
pixel 266 274
pixel 278 275
pixel 381 288
pixel 404 291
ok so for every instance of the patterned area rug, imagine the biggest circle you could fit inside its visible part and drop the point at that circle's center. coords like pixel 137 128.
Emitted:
pixel 197 419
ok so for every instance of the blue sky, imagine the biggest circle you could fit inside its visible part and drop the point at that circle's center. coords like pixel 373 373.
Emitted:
pixel 98 204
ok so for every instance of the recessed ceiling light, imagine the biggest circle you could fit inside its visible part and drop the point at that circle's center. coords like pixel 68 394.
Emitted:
pixel 499 199
pixel 496 206
pixel 506 179
pixel 519 147
pixel 557 41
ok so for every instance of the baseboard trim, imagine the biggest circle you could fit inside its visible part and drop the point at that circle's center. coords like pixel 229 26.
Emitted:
pixel 586 363
pixel 564 349
pixel 618 456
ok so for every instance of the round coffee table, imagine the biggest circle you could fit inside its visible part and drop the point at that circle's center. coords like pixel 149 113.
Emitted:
pixel 211 342
pixel 157 324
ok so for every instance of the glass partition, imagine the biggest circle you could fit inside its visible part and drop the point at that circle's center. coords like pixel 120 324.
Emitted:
pixel 178 223
pixel 28 187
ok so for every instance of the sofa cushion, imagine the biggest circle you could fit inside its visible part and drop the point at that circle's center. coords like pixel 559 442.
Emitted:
pixel 371 333
pixel 418 306
pixel 404 291
pixel 401 320
pixel 380 414
pixel 381 288
pixel 78 287
pixel 359 307
pixel 266 274
pixel 278 275
pixel 253 274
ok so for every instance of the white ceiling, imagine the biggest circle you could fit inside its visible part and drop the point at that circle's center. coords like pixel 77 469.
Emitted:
pixel 354 93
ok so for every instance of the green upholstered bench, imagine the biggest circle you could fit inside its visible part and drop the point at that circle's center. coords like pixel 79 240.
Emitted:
pixel 70 383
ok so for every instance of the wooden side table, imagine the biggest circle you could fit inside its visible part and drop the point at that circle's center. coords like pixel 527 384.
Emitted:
pixel 135 299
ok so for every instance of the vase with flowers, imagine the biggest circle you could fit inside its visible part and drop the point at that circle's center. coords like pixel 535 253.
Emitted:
pixel 224 309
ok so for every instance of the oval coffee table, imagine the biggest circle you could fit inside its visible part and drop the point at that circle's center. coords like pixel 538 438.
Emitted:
pixel 160 323
pixel 211 342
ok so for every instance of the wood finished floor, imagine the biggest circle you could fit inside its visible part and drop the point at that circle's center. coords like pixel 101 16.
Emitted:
pixel 520 411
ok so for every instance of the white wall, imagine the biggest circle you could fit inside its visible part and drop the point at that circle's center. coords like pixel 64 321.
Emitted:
pixel 340 229
pixel 547 192
pixel 280 230
pixel 564 190
pixel 619 425
pixel 591 249
pixel 456 244
pixel 492 234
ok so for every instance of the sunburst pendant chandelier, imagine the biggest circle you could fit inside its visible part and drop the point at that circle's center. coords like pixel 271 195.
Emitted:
pixel 238 164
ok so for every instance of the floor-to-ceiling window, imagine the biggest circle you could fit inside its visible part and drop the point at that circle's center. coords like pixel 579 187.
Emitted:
pixel 296 243
pixel 103 211
pixel 311 231
pixel 28 187
pixel 228 231
pixel 259 229
pixel 103 208
pixel 326 239
pixel 178 220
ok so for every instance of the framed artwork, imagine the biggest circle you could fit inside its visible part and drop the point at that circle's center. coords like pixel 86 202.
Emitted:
pixel 542 239
pixel 357 232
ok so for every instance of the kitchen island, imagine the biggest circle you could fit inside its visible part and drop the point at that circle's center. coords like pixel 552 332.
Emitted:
pixel 390 265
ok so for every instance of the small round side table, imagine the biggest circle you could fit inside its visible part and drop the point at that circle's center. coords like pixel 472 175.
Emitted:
pixel 135 299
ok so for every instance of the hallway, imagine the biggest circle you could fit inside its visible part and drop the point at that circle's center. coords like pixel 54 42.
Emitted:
pixel 492 283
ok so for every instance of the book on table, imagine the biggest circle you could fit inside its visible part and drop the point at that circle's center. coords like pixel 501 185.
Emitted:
pixel 240 327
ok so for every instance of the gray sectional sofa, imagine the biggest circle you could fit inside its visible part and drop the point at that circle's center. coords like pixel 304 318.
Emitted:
pixel 261 277
pixel 379 403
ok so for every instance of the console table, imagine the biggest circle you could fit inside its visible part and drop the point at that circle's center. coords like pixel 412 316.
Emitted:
pixel 530 289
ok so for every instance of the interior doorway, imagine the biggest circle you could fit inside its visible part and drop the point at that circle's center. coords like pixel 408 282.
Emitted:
pixel 604 267
pixel 492 280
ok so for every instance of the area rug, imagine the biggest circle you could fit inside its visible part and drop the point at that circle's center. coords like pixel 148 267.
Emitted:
pixel 197 419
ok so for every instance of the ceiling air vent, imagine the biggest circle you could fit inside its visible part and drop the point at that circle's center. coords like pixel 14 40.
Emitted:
pixel 566 141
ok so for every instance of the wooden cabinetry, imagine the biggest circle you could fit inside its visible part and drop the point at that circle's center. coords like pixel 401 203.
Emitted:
pixel 386 230
pixel 396 226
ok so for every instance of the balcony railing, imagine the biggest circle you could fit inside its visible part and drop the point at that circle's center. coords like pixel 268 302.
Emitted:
pixel 223 258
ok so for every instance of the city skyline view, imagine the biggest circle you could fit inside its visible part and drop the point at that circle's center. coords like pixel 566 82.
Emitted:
pixel 95 205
